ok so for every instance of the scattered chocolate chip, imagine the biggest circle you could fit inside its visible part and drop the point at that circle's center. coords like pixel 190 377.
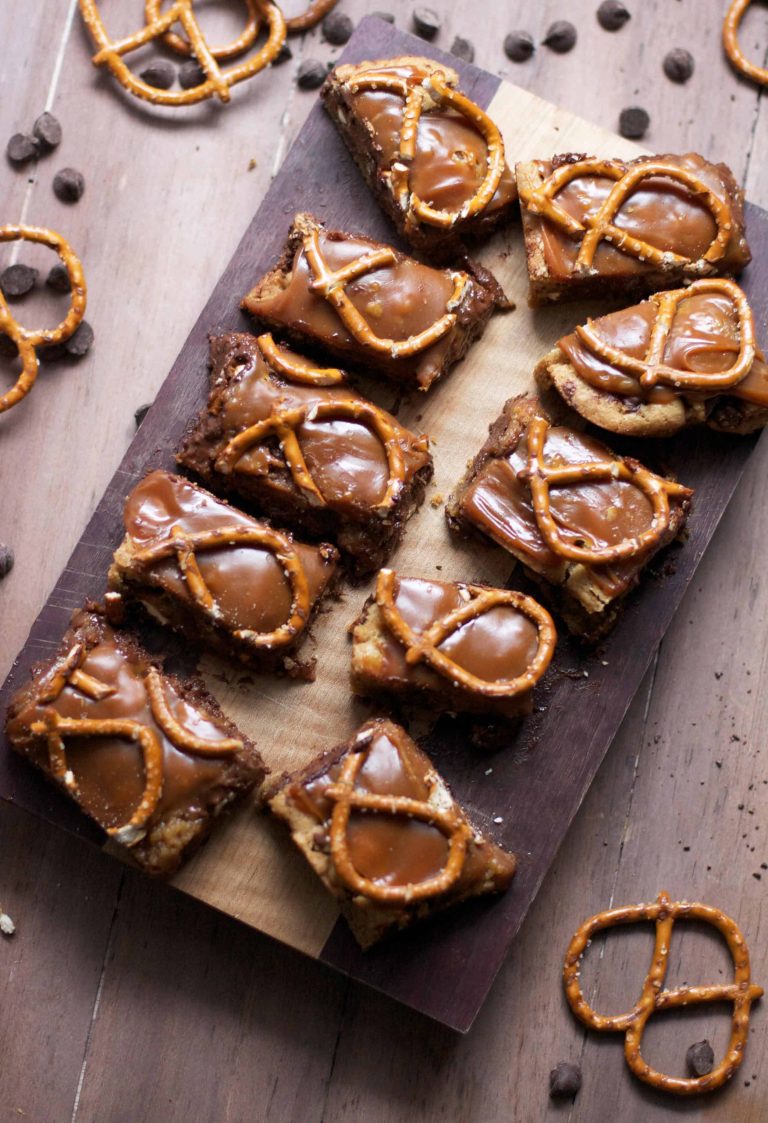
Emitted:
pixel 18 280
pixel 611 15
pixel 141 413
pixel 81 342
pixel 678 65
pixel 463 49
pixel 426 22
pixel 47 129
pixel 8 348
pixel 337 28
pixel 68 185
pixel 634 122
pixel 285 54
pixel 564 1080
pixel 561 37
pixel 191 74
pixel 58 279
pixel 387 16
pixel 52 353
pixel 519 46
pixel 6 560
pixel 159 73
pixel 22 148
pixel 311 74
pixel 700 1058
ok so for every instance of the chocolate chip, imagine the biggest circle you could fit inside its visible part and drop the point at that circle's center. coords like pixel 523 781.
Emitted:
pixel 159 73
pixel 561 36
pixel 18 280
pixel 463 49
pixel 519 46
pixel 52 353
pixel 6 560
pixel 426 22
pixel 58 279
pixel 311 74
pixel 564 1080
pixel 386 16
pixel 678 64
pixel 285 54
pixel 47 129
pixel 141 413
pixel 68 185
pixel 700 1058
pixel 8 348
pixel 611 15
pixel 22 148
pixel 337 28
pixel 81 342
pixel 634 122
pixel 191 74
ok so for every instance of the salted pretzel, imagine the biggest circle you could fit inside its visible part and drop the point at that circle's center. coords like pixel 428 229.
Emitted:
pixel 331 285
pixel 311 16
pixel 741 992
pixel 182 46
pixel 601 226
pixel 27 342
pixel 423 90
pixel 296 367
pixel 346 799
pixel 185 548
pixel 217 82
pixel 424 647
pixel 733 19
pixel 541 477
pixel 285 425
pixel 651 369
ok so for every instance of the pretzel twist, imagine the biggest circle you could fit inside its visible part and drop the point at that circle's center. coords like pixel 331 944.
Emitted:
pixel 182 46
pixel 28 341
pixel 733 19
pixel 651 369
pixel 450 823
pixel 217 82
pixel 185 546
pixel 600 226
pixel 296 367
pixel 741 993
pixel 311 16
pixel 424 647
pixel 541 478
pixel 331 285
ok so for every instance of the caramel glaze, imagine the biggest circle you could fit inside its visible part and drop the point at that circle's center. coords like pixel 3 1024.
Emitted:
pixel 247 583
pixel 659 212
pixel 704 338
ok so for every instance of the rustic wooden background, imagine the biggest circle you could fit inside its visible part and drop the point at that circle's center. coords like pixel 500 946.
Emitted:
pixel 120 1000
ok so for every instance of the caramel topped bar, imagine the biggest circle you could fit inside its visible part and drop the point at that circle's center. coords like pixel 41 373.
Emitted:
pixel 433 159
pixel 298 443
pixel 451 645
pixel 606 227
pixel 236 585
pixel 681 358
pixel 573 512
pixel 378 825
pixel 371 306
pixel 148 757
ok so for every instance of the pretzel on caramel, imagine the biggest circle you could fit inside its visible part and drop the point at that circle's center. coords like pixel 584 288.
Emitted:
pixel 601 226
pixel 651 369
pixel 541 477
pixel 27 341
pixel 425 646
pixel 741 993
pixel 331 285
pixel 450 822
pixel 733 19
pixel 296 367
pixel 185 547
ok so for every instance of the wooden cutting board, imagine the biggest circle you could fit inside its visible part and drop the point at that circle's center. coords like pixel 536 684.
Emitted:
pixel 525 794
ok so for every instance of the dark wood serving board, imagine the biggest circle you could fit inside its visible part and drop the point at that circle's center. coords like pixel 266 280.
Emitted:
pixel 526 793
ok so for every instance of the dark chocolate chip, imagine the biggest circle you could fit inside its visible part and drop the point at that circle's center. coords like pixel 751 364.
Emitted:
pixel 191 74
pixel 463 49
pixel 159 73
pixel 68 185
pixel 564 1080
pixel 386 16
pixel 141 413
pixel 678 64
pixel 81 342
pixel 311 74
pixel 519 46
pixel 52 353
pixel 560 37
pixel 47 129
pixel 18 280
pixel 6 560
pixel 700 1058
pixel 8 348
pixel 634 122
pixel 337 28
pixel 22 148
pixel 58 279
pixel 611 15
pixel 426 22
pixel 285 54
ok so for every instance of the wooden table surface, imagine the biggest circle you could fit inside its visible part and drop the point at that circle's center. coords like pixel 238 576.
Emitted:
pixel 120 1000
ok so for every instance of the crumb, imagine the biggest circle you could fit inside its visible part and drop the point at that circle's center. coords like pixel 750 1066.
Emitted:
pixel 251 164
pixel 436 500
pixel 7 927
